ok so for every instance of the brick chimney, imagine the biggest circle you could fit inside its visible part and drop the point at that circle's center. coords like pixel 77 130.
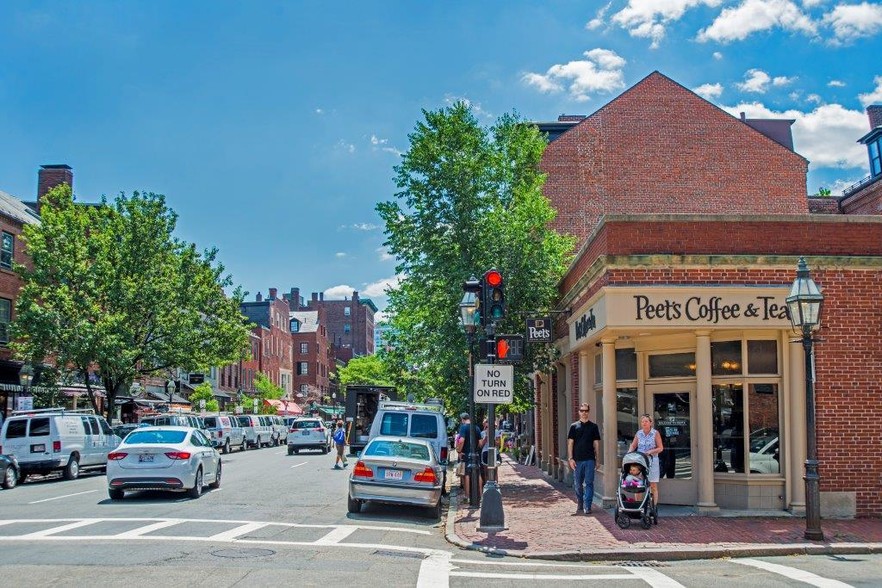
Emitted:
pixel 294 299
pixel 272 293
pixel 355 295
pixel 50 176
pixel 259 297
pixel 874 111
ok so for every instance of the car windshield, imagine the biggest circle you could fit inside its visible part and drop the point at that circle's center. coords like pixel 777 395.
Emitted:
pixel 152 436
pixel 305 425
pixel 397 449
pixel 210 421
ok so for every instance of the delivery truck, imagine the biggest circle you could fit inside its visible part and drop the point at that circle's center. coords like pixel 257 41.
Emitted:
pixel 362 403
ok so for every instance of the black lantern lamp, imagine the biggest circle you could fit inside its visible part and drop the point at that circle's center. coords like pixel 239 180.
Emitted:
pixel 468 314
pixel 804 304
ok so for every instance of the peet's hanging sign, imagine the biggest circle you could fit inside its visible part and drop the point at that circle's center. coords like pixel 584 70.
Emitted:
pixel 687 307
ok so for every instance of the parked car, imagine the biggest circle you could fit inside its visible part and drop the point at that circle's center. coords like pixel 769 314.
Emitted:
pixel 224 432
pixel 9 472
pixel 764 456
pixel 280 430
pixel 308 433
pixel 124 429
pixel 178 419
pixel 163 458
pixel 258 430
pixel 396 470
pixel 56 439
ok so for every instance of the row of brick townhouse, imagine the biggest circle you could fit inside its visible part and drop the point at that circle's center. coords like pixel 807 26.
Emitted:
pixel 690 223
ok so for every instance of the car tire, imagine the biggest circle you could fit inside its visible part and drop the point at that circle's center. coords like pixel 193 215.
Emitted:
pixel 259 443
pixel 217 478
pixel 290 450
pixel 72 469
pixel 352 505
pixel 297 451
pixel 10 478
pixel 226 446
pixel 196 490
pixel 435 511
pixel 116 493
pixel 244 446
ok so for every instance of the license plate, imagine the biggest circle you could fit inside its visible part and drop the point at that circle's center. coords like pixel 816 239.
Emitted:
pixel 394 474
pixel 145 458
pixel 306 433
pixel 38 448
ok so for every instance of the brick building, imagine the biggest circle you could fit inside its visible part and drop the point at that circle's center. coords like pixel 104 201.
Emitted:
pixel 272 330
pixel 690 223
pixel 350 324
pixel 311 351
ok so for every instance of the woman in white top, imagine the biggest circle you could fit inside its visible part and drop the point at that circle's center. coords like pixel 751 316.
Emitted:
pixel 648 441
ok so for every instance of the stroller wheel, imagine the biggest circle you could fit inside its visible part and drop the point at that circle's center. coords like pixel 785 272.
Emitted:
pixel 646 521
pixel 623 521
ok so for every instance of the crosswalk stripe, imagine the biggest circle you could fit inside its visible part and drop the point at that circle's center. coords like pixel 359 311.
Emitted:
pixel 336 535
pixel 792 573
pixel 237 532
pixel 61 529
pixel 147 529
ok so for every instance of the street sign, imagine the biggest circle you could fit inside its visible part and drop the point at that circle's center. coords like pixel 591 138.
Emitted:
pixel 510 348
pixel 539 330
pixel 24 403
pixel 494 383
pixel 197 378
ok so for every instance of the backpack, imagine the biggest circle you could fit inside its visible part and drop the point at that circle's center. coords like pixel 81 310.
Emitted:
pixel 339 436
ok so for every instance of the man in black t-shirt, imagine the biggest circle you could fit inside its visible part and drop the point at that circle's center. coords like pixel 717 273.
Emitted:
pixel 583 445
pixel 463 449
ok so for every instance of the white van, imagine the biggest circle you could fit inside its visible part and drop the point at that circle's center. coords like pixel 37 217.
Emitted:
pixel 421 421
pixel 53 439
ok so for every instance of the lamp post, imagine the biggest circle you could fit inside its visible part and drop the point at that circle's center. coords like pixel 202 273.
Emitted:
pixel 467 308
pixel 804 304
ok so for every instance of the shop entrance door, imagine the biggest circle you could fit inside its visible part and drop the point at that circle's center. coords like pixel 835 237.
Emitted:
pixel 671 407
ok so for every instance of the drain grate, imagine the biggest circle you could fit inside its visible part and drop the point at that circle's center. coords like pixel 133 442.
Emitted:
pixel 392 553
pixel 242 553
pixel 641 564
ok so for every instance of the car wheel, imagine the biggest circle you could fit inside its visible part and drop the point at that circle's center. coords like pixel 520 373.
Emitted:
pixel 72 469
pixel 196 490
pixel 435 511
pixel 290 450
pixel 352 505
pixel 116 493
pixel 227 446
pixel 217 478
pixel 297 451
pixel 10 478
pixel 244 446
pixel 259 443
pixel 22 477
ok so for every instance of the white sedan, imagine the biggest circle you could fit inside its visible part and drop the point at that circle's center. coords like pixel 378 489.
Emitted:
pixel 163 458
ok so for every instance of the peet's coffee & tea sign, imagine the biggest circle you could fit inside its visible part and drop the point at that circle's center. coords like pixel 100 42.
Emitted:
pixel 710 310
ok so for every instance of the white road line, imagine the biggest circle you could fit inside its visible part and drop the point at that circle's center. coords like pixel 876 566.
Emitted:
pixel 793 573
pixel 336 536
pixel 60 497
pixel 655 578
pixel 531 564
pixel 297 465
pixel 147 529
pixel 520 576
pixel 435 571
pixel 238 531
pixel 45 533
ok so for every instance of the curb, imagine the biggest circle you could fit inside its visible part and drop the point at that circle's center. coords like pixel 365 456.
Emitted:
pixel 659 554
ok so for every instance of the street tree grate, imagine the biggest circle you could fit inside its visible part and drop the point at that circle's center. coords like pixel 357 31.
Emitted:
pixel 641 564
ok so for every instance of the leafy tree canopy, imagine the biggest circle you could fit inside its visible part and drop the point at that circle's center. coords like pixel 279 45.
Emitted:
pixel 112 292
pixel 367 369
pixel 204 392
pixel 470 199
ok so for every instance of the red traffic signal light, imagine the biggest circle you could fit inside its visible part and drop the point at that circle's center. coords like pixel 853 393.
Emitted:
pixel 492 298
pixel 493 278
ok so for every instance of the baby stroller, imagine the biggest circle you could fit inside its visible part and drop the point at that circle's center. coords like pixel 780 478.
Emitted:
pixel 634 498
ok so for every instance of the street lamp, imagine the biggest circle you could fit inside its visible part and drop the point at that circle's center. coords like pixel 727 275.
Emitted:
pixel 467 314
pixel 804 303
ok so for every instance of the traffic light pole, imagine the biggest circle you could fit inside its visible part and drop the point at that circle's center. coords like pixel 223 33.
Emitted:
pixel 492 515
pixel 473 465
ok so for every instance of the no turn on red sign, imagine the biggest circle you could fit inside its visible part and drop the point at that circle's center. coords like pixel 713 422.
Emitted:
pixel 494 384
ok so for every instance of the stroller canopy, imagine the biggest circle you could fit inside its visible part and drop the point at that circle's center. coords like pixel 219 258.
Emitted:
pixel 635 457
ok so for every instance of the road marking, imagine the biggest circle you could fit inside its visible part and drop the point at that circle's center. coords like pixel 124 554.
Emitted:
pixel 297 465
pixel 60 497
pixel 238 531
pixel 46 533
pixel 655 578
pixel 147 529
pixel 336 535
pixel 793 573
pixel 435 571
pixel 521 576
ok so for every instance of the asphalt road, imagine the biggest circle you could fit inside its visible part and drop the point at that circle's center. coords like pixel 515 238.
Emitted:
pixel 282 519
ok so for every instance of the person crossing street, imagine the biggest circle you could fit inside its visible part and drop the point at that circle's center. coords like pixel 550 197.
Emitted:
pixel 340 443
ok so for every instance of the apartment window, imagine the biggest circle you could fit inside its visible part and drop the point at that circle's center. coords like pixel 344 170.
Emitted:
pixel 295 326
pixel 5 317
pixel 875 158
pixel 304 389
pixel 302 368
pixel 347 311
pixel 347 327
pixel 7 250
pixel 304 348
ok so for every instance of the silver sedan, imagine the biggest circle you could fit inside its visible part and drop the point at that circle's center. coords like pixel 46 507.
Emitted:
pixel 163 458
pixel 397 470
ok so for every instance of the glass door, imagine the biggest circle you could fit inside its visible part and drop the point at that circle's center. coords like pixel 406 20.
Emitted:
pixel 672 418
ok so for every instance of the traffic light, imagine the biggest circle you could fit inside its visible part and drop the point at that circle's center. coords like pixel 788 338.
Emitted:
pixel 510 348
pixel 492 298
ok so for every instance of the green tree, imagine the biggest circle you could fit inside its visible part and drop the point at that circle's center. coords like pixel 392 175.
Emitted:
pixel 112 292
pixel 265 390
pixel 204 392
pixel 469 199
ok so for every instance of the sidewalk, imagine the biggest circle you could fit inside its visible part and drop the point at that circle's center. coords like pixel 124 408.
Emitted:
pixel 540 521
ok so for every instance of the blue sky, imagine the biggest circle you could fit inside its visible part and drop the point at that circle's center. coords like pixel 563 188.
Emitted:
pixel 273 127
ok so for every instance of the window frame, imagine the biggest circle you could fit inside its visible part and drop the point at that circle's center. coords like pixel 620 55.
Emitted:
pixel 4 253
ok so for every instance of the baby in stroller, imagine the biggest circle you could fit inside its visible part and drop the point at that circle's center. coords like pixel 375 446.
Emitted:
pixel 634 498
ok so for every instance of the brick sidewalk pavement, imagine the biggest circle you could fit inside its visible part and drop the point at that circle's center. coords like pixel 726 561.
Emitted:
pixel 540 521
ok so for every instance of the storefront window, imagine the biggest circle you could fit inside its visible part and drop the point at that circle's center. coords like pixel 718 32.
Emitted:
pixel 762 357
pixel 598 369
pixel 726 358
pixel 728 409
pixel 626 364
pixel 626 414
pixel 762 399
pixel 672 365
pixel 761 446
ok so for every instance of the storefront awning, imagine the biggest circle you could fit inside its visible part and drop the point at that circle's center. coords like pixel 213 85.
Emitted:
pixel 285 407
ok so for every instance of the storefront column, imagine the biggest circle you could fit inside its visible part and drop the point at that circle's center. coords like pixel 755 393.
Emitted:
pixel 703 424
pixel 610 424
pixel 796 427
pixel 584 377
pixel 547 432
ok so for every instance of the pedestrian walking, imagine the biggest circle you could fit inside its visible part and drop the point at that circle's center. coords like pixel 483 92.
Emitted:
pixel 464 448
pixel 649 441
pixel 583 445
pixel 340 443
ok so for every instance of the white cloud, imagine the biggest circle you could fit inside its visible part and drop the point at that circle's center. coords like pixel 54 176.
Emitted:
pixel 814 99
pixel 836 84
pixel 826 136
pixel 597 21
pixel 340 254
pixel 476 108
pixel 319 111
pixel 381 287
pixel 709 91
pixel 755 80
pixel 852 21
pixel 345 146
pixel 361 226
pixel 875 96
pixel 752 16
pixel 601 71
pixel 648 18
pixel 339 292
pixel 384 254
pixel 382 145
pixel 717 55
pixel 782 80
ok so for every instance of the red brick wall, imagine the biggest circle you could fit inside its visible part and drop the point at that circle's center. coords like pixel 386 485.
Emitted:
pixel 10 282
pixel 866 201
pixel 823 205
pixel 660 148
